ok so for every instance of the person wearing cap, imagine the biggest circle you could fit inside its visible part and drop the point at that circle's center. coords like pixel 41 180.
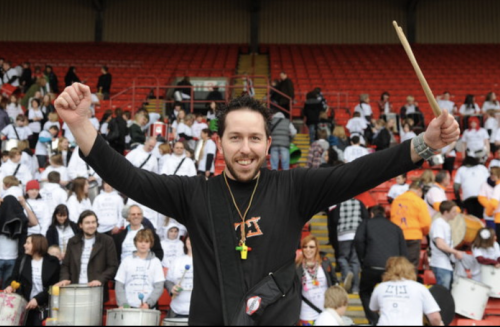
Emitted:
pixel 39 208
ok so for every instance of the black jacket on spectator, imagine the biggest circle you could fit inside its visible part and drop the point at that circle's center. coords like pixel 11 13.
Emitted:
pixel 50 276
pixel 377 239
pixel 285 86
pixel 311 111
pixel 104 81
pixel 119 143
pixel 13 221
pixel 52 235
pixel 382 140
pixel 120 237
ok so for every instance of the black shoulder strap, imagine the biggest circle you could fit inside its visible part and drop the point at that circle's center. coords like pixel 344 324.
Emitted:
pixel 315 308
pixel 15 131
pixel 147 159
pixel 276 124
pixel 179 165
pixel 17 169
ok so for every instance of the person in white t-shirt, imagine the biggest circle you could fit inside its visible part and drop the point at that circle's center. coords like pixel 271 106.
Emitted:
pixel 485 195
pixel 172 245
pixel 470 107
pixel 178 163
pixel 491 102
pixel 39 208
pixel 14 167
pixel 108 206
pixel 206 161
pixel 486 249
pixel 78 198
pixel 469 178
pixel 17 130
pixel 491 127
pixel 52 192
pixel 143 157
pixel 14 109
pixel 56 165
pixel 444 103
pixel 437 192
pixel 357 125
pixel 140 279
pixel 364 107
pixel 336 303
pixel 355 150
pixel 400 300
pixel 407 133
pixel 442 251
pixel 397 189
pixel 35 117
pixel 179 282
pixel 198 126
pixel 44 144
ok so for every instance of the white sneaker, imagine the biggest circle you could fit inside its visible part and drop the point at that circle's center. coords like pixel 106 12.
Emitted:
pixel 348 281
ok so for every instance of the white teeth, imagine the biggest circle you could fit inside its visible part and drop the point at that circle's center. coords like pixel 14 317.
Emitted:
pixel 246 162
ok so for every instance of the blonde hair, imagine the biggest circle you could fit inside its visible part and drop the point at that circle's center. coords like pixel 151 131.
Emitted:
pixel 336 297
pixel 495 171
pixel 410 98
pixel 427 176
pixel 53 116
pixel 339 131
pixel 9 181
pixel 144 235
pixel 399 268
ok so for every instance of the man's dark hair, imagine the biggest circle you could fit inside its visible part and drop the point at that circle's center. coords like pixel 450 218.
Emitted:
pixel 85 214
pixel 355 139
pixel 243 102
pixel 377 210
pixel 446 206
pixel 207 131
pixel 177 104
pixel 105 68
pixel 441 176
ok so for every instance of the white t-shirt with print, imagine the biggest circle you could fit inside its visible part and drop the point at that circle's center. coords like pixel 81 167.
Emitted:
pixel 139 276
pixel 397 189
pixel 402 303
pixel 471 179
pixel 440 229
pixel 128 246
pixel 88 244
pixel 315 294
pixel 36 273
pixel 354 152
pixel 181 303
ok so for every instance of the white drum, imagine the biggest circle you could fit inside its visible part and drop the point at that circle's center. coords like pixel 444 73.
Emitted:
pixel 80 305
pixel 12 310
pixel 133 317
pixel 8 145
pixel 470 297
pixel 175 322
pixel 491 277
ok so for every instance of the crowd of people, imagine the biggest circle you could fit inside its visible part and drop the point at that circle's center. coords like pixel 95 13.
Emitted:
pixel 99 234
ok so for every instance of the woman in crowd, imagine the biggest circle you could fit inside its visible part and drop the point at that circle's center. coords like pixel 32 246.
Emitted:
pixel 140 279
pixel 71 76
pixel 64 150
pixel 35 117
pixel 384 104
pixel 316 275
pixel 179 282
pixel 35 271
pixel 61 229
pixel 78 198
pixel 407 310
pixel 491 102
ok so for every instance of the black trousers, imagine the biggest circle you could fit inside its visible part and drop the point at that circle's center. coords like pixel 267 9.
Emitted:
pixel 369 278
pixel 413 247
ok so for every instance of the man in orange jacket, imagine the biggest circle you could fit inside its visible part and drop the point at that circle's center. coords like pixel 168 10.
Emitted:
pixel 409 212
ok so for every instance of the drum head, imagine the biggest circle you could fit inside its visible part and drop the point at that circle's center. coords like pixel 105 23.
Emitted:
pixel 458 228
pixel 445 301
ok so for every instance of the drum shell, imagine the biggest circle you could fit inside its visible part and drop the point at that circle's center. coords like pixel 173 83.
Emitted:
pixel 12 309
pixel 491 277
pixel 470 297
pixel 132 317
pixel 80 305
pixel 175 322
pixel 464 229
pixel 158 128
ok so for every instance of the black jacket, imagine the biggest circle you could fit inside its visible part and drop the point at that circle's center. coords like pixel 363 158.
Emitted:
pixel 311 111
pixel 104 81
pixel 382 140
pixel 120 237
pixel 326 264
pixel 377 239
pixel 50 276
pixel 53 236
pixel 13 221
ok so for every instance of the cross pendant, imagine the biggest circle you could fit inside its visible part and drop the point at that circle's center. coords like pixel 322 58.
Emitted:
pixel 243 248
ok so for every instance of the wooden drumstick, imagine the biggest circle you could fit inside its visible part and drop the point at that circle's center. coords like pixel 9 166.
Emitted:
pixel 421 78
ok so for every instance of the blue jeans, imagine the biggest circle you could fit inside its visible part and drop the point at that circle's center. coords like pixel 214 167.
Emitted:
pixel 312 133
pixel 6 268
pixel 444 277
pixel 348 261
pixel 276 153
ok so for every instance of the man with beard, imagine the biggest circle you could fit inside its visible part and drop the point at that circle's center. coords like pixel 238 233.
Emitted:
pixel 245 224
pixel 90 257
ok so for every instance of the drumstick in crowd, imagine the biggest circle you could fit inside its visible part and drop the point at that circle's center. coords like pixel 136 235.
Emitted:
pixel 186 268
pixel 420 75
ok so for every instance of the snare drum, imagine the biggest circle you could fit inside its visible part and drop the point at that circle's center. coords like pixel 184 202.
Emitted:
pixel 470 297
pixel 133 317
pixel 175 322
pixel 12 309
pixel 80 305
pixel 491 277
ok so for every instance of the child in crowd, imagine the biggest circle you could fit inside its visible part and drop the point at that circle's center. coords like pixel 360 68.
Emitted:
pixel 53 121
pixel 44 143
pixel 139 280
pixel 336 302
pixel 172 245
pixel 39 208
pixel 179 282
pixel 397 189
pixel 19 131
pixel 485 248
